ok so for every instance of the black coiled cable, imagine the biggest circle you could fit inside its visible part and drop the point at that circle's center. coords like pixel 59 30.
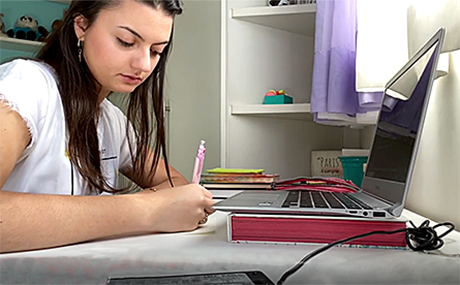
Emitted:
pixel 425 237
pixel 422 238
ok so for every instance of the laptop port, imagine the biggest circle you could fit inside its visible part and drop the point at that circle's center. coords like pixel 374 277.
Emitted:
pixel 379 214
pixel 353 212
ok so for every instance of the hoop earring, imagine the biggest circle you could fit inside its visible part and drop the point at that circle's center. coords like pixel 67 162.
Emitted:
pixel 79 50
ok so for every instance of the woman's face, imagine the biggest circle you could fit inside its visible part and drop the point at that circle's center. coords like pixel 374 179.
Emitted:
pixel 124 44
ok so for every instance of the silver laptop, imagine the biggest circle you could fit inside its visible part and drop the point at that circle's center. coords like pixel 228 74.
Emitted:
pixel 391 161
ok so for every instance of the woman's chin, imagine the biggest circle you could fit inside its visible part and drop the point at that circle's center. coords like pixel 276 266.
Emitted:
pixel 124 89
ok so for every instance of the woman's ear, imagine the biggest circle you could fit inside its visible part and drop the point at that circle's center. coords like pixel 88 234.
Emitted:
pixel 80 24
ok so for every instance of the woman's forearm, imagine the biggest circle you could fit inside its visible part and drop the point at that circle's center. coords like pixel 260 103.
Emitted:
pixel 176 180
pixel 35 221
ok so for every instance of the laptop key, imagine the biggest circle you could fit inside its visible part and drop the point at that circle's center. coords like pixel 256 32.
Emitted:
pixel 318 200
pixel 361 203
pixel 349 204
pixel 333 202
pixel 305 200
pixel 292 199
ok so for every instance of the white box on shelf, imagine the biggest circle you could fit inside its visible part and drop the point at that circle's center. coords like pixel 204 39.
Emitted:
pixel 355 152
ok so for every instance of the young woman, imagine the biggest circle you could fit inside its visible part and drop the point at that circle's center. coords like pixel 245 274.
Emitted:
pixel 62 143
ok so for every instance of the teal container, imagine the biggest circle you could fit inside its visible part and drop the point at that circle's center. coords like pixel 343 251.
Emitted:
pixel 278 99
pixel 353 168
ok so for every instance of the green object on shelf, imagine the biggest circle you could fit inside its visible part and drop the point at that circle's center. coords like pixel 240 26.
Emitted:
pixel 235 170
pixel 353 168
pixel 278 99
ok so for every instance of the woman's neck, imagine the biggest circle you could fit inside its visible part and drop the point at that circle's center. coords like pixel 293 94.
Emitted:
pixel 103 93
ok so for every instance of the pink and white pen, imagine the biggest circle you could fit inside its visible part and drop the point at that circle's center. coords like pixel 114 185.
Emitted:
pixel 199 162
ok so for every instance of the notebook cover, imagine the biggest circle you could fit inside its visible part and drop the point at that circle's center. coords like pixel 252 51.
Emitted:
pixel 295 229
pixel 235 170
pixel 239 178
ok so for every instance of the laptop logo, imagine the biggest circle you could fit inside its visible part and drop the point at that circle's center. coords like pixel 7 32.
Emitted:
pixel 265 204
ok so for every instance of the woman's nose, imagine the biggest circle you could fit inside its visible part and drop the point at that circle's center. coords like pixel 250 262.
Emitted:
pixel 143 61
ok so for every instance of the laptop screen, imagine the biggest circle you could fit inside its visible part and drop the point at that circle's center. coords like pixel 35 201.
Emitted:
pixel 397 133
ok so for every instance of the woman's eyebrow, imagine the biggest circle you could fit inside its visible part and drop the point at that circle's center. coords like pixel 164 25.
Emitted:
pixel 139 36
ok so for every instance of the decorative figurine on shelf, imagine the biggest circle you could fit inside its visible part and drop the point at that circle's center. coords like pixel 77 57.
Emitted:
pixel 43 33
pixel 55 26
pixel 277 97
pixel 2 27
pixel 26 28
pixel 278 2
pixel 274 92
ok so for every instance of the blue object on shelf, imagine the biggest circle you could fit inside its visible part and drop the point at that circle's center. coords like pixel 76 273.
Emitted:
pixel 278 99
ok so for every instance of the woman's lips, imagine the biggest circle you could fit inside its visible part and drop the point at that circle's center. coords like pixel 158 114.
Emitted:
pixel 131 79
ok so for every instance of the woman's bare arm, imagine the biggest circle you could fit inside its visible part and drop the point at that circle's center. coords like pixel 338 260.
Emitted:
pixel 14 138
pixel 29 221
pixel 35 221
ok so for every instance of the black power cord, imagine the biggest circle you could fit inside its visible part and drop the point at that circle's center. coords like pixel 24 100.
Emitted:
pixel 419 238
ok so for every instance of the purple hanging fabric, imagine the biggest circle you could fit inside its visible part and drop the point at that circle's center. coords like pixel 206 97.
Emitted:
pixel 370 101
pixel 334 70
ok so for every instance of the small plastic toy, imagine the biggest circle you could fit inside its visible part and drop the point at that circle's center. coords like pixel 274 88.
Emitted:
pixel 26 28
pixel 277 97
pixel 274 92
pixel 2 26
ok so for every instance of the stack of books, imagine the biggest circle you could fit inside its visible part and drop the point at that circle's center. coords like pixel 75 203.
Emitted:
pixel 225 182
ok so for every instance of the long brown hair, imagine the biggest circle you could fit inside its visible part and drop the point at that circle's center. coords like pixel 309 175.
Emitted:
pixel 79 92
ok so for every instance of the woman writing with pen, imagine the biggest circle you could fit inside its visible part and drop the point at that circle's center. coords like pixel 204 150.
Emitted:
pixel 62 143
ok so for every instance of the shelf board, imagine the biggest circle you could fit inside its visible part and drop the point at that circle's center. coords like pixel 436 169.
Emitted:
pixel 300 111
pixel 20 45
pixel 298 19
pixel 61 1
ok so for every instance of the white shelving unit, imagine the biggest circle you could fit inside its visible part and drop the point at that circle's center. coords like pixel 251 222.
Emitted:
pixel 298 19
pixel 20 45
pixel 271 48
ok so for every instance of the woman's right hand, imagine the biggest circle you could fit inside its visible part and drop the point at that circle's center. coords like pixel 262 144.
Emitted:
pixel 176 209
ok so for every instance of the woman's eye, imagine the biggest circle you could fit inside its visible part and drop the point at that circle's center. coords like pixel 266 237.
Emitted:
pixel 125 44
pixel 154 52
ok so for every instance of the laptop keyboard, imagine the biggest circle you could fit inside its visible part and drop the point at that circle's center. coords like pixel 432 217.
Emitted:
pixel 315 199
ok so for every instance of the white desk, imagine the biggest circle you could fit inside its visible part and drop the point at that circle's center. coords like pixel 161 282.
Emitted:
pixel 185 253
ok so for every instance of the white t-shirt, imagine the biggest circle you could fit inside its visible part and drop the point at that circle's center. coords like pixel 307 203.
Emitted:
pixel 30 88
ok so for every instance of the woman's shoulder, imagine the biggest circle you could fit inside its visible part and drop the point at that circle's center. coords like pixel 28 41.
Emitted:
pixel 30 85
pixel 27 69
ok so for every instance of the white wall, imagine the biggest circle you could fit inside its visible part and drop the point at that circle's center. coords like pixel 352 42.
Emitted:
pixel 193 85
pixel 435 192
pixel 435 189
